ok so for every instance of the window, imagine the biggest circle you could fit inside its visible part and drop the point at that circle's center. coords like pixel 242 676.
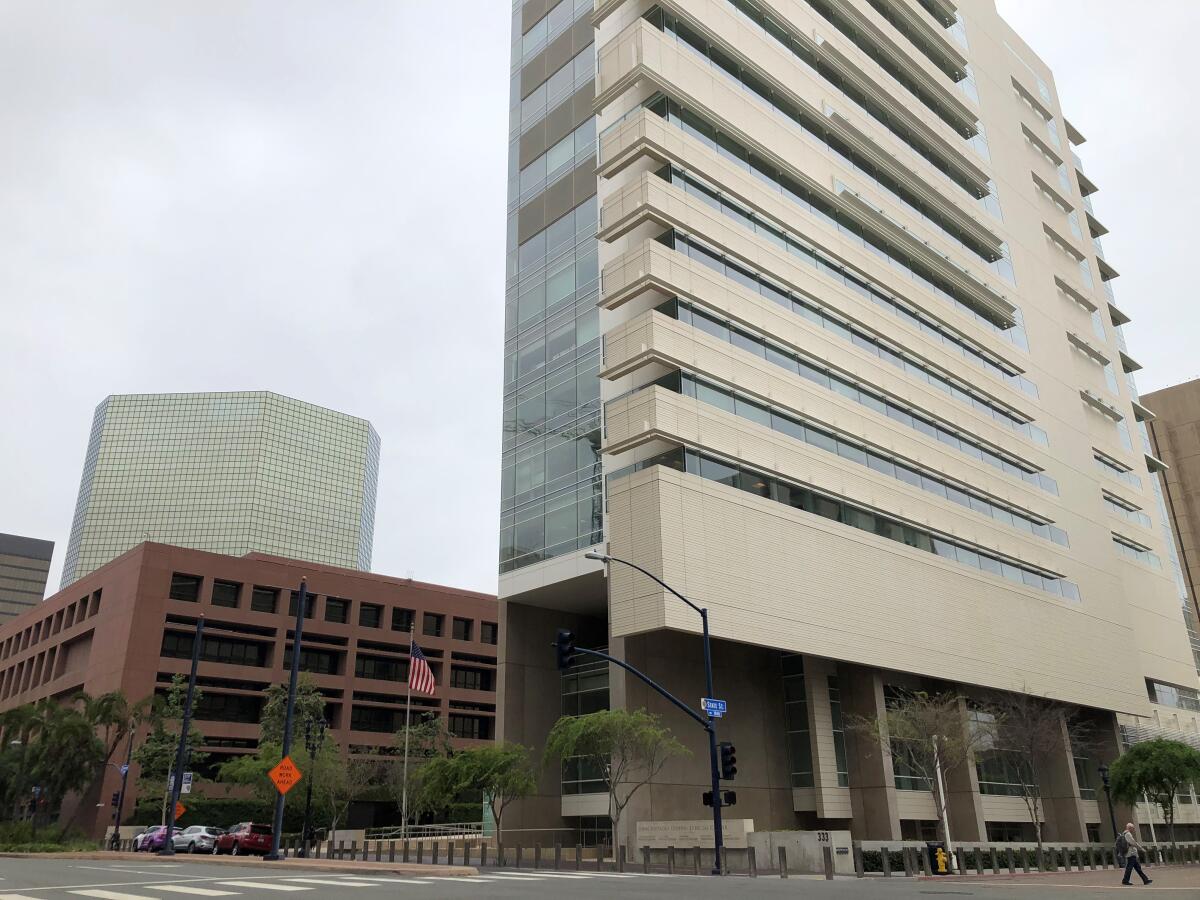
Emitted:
pixel 471 679
pixel 1173 695
pixel 462 629
pixel 432 624
pixel 381 668
pixel 185 587
pixel 228 708
pixel 370 718
pixel 839 732
pixel 1083 776
pixel 310 604
pixel 471 727
pixel 337 610
pixel 487 632
pixel 235 651
pixel 264 599
pixel 320 662
pixel 370 615
pixel 795 718
pixel 226 593
pixel 403 619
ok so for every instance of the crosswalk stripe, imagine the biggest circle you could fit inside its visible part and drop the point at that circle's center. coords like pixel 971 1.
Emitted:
pixel 264 885
pixel 564 875
pixel 518 877
pixel 476 880
pixel 186 889
pixel 340 883
pixel 393 880
pixel 111 895
pixel 14 896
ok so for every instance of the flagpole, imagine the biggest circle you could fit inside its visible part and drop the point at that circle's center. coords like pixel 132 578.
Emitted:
pixel 407 711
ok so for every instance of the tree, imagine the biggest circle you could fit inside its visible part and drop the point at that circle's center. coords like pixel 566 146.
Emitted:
pixel 65 755
pixel 309 709
pixel 427 739
pixel 156 755
pixel 1159 769
pixel 921 731
pixel 628 747
pixel 112 715
pixel 327 773
pixel 20 726
pixel 500 773
pixel 1037 730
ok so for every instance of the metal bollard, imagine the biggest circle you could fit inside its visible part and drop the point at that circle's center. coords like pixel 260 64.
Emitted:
pixel 978 861
pixel 885 860
pixel 827 854
pixel 1008 854
pixel 578 857
pixel 724 860
pixel 379 851
pixel 391 851
pixel 621 858
pixel 450 853
pixel 923 856
pixel 1025 860
pixel 557 857
pixel 995 861
pixel 500 855
pixel 404 851
pixel 751 862
pixel 537 855
pixel 1092 858
pixel 907 861
pixel 646 860
pixel 518 856
pixel 783 868
pixel 857 851
pixel 420 852
pixel 437 848
pixel 671 860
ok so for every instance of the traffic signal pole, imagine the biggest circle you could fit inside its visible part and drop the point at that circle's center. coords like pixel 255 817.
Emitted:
pixel 290 715
pixel 181 752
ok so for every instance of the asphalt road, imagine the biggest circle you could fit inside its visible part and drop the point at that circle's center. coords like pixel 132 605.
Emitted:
pixel 65 879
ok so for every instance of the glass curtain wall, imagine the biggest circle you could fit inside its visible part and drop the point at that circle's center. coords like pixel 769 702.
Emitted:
pixel 551 486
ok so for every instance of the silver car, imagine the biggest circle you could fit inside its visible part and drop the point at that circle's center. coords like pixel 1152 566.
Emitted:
pixel 197 839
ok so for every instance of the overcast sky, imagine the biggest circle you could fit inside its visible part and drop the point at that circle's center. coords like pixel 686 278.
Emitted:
pixel 308 197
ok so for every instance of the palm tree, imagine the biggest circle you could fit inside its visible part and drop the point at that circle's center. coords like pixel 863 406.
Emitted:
pixel 112 717
pixel 67 752
pixel 19 726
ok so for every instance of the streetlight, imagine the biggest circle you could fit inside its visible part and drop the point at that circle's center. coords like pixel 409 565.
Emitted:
pixel 718 835
pixel 1112 816
pixel 313 738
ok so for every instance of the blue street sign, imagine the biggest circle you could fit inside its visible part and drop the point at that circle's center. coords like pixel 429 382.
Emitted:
pixel 713 708
pixel 124 770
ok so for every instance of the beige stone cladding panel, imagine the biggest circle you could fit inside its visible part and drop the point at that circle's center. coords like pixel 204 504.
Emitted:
pixel 1004 809
pixel 832 800
pixel 643 51
pixel 662 413
pixel 917 805
pixel 777 577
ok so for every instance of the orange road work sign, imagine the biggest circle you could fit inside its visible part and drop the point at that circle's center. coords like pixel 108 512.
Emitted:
pixel 285 775
pixel 180 809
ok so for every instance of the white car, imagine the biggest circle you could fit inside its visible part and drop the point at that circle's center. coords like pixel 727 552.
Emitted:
pixel 197 839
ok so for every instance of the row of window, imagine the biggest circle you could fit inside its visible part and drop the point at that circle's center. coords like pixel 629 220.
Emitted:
pixel 1135 551
pixel 71 614
pixel 551 24
pixel 1117 470
pixel 877 460
pixel 839 510
pixel 823 208
pixel 1126 510
pixel 370 615
pixel 820 374
pixel 801 248
pixel 379 720
pixel 1173 695
pixel 861 338
pixel 813 125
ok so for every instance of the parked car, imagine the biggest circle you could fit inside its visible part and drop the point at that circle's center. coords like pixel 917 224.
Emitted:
pixel 152 839
pixel 197 839
pixel 243 839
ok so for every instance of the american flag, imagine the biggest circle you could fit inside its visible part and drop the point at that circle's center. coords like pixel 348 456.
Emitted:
pixel 420 676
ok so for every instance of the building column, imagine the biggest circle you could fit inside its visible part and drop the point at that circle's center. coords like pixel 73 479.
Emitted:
pixel 964 804
pixel 833 800
pixel 873 802
pixel 1061 805
pixel 1108 748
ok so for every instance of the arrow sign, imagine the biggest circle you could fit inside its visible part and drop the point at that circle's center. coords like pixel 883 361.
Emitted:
pixel 715 709
pixel 180 809
pixel 285 776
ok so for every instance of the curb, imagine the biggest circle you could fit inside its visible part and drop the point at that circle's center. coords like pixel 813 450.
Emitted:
pixel 314 865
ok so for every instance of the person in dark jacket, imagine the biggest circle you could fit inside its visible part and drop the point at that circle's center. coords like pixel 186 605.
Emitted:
pixel 1131 857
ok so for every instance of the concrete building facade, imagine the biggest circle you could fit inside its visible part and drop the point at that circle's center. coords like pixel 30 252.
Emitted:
pixel 24 568
pixel 865 397
pixel 130 626
pixel 231 473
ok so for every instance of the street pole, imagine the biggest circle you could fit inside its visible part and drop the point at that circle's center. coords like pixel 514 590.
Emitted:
pixel 116 838
pixel 714 766
pixel 1112 816
pixel 312 743
pixel 298 632
pixel 942 813
pixel 168 848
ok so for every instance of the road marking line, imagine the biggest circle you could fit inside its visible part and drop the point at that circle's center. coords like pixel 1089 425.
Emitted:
pixel 198 891
pixel 393 880
pixel 264 885
pixel 347 882
pixel 14 896
pixel 479 879
pixel 112 895
pixel 517 877
pixel 559 875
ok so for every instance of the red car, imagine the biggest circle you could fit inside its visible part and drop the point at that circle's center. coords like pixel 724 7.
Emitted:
pixel 244 839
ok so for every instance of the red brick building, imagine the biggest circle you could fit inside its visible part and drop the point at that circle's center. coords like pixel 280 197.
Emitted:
pixel 130 626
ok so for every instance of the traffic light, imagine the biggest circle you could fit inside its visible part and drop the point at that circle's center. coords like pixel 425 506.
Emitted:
pixel 729 798
pixel 116 798
pixel 708 798
pixel 565 648
pixel 728 761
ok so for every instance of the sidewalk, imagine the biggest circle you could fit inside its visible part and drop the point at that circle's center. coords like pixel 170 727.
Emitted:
pixel 291 863
pixel 1175 878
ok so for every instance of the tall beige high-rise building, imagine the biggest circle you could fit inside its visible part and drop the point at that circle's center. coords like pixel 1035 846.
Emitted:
pixel 24 567
pixel 864 395
pixel 227 472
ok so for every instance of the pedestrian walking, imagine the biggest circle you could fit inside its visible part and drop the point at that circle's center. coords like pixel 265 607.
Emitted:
pixel 1127 848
